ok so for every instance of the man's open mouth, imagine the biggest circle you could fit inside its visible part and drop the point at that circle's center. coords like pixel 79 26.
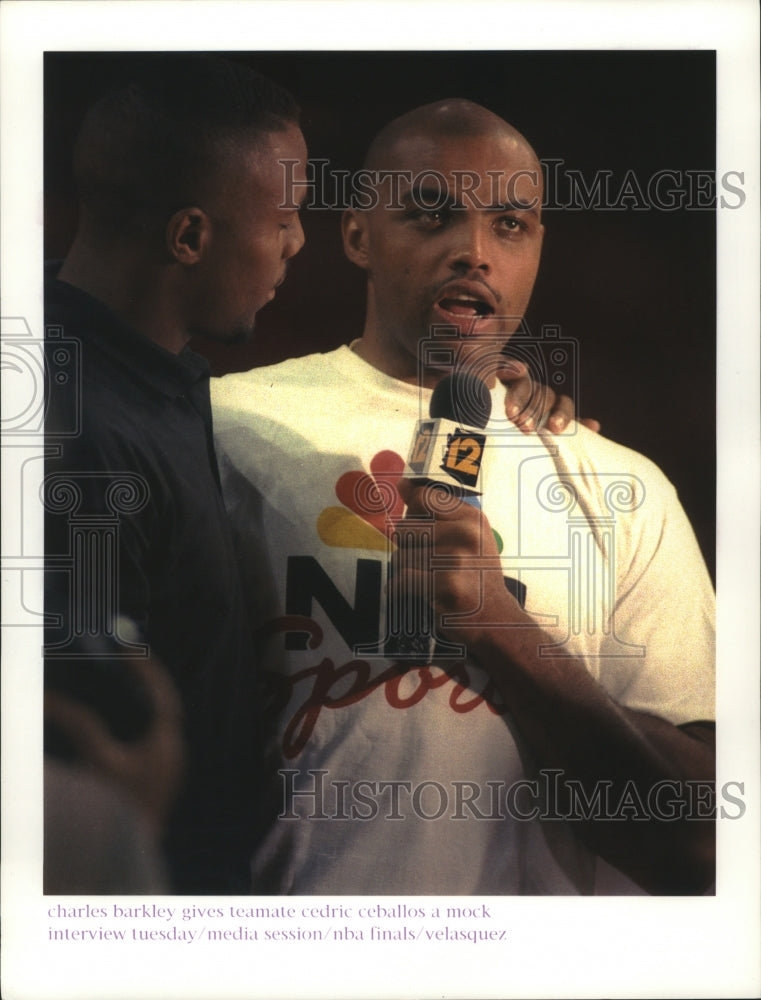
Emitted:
pixel 465 305
pixel 466 300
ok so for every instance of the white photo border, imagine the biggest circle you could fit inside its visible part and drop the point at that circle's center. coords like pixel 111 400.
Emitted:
pixel 697 947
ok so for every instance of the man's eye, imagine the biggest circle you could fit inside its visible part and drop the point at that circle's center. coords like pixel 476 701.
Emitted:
pixel 430 216
pixel 292 220
pixel 511 224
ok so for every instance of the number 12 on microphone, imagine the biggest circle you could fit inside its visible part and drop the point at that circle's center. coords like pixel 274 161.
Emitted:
pixel 462 459
pixel 446 452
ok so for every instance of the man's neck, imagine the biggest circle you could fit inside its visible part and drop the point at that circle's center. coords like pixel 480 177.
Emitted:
pixel 428 378
pixel 129 291
pixel 367 348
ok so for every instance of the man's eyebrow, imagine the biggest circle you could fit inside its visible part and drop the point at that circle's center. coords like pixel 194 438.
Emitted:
pixel 428 198
pixel 531 207
pixel 433 199
pixel 299 194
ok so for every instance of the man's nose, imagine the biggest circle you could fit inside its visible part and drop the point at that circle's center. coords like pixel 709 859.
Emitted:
pixel 470 247
pixel 295 240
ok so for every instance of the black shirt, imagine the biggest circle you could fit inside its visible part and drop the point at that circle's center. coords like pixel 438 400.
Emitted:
pixel 135 525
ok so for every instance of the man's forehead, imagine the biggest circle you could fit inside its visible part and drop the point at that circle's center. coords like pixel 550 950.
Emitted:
pixel 266 150
pixel 270 153
pixel 485 170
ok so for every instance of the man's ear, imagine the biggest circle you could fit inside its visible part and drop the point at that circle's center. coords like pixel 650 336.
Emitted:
pixel 188 234
pixel 355 233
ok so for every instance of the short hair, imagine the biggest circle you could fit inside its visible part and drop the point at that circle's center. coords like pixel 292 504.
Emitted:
pixel 152 146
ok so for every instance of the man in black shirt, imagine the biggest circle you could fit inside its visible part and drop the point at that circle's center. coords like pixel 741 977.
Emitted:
pixel 184 231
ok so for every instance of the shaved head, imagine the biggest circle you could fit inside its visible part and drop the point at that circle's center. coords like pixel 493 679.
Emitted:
pixel 451 118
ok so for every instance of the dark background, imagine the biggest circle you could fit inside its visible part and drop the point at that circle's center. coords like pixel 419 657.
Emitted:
pixel 635 288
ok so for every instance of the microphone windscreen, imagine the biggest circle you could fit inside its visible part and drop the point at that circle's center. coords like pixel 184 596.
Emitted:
pixel 462 397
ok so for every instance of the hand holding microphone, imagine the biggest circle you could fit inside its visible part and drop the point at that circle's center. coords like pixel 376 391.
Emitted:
pixel 446 554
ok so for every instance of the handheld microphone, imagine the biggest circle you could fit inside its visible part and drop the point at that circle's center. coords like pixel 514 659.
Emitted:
pixel 446 451
pixel 448 448
pixel 464 398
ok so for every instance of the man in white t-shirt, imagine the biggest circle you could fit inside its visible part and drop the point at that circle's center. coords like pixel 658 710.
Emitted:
pixel 536 734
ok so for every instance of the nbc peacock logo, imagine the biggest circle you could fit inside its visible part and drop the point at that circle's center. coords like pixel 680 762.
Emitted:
pixel 370 507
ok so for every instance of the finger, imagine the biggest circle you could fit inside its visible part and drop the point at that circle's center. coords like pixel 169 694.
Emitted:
pixel 561 414
pixel 537 402
pixel 591 424
pixel 423 497
pixel 459 600
pixel 405 488
pixel 516 379
pixel 518 401
pixel 519 392
pixel 87 733
pixel 148 769
pixel 427 499
pixel 160 688
pixel 450 542
pixel 526 421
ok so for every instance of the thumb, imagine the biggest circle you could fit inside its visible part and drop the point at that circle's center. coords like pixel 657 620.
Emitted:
pixel 406 489
pixel 86 731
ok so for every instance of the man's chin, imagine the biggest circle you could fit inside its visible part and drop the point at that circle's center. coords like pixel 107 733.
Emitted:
pixel 241 335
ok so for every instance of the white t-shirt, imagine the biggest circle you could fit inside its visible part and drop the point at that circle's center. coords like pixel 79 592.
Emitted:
pixel 415 780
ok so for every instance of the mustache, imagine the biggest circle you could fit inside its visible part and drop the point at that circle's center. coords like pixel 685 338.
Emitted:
pixel 471 279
